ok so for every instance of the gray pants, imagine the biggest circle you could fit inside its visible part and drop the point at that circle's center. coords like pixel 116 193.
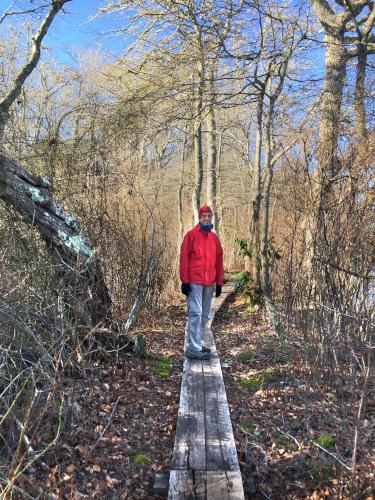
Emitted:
pixel 199 305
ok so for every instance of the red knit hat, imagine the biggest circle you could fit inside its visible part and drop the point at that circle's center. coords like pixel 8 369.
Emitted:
pixel 204 210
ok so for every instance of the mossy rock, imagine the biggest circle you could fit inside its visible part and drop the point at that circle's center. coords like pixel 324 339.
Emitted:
pixel 140 346
pixel 141 459
pixel 163 367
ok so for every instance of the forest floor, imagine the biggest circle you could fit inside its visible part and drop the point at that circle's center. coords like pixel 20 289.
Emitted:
pixel 122 430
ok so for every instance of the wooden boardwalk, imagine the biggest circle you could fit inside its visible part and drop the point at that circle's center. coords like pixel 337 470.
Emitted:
pixel 204 463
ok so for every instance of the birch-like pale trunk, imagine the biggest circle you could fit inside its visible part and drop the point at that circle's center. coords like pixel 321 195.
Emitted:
pixel 331 109
pixel 265 268
pixel 212 151
pixel 219 204
pixel 273 91
pixel 329 166
pixel 181 228
pixel 198 145
pixel 257 193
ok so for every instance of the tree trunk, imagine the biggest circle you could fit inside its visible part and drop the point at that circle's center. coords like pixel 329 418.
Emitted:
pixel 359 98
pixel 329 166
pixel 329 127
pixel 180 198
pixel 212 152
pixel 265 271
pixel 198 149
pixel 257 193
pixel 31 196
pixel 219 204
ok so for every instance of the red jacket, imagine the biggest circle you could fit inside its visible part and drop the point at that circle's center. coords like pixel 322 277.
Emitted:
pixel 201 258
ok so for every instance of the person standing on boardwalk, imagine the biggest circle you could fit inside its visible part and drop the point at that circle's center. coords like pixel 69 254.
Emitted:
pixel 201 268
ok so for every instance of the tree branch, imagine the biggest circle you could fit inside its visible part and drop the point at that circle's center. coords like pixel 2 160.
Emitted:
pixel 15 91
pixel 325 14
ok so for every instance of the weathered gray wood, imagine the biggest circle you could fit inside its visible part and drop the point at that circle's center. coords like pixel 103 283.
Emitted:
pixel 187 484
pixel 221 451
pixel 201 485
pixel 224 485
pixel 205 463
pixel 190 443
pixel 161 484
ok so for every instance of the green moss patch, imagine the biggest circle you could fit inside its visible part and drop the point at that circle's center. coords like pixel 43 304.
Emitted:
pixel 248 355
pixel 141 459
pixel 284 441
pixel 278 351
pixel 163 367
pixel 258 379
pixel 326 441
pixel 248 427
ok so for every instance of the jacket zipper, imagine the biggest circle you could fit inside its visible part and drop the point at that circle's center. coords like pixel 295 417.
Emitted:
pixel 205 256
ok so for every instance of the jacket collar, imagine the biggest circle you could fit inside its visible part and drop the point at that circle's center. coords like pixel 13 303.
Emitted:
pixel 198 228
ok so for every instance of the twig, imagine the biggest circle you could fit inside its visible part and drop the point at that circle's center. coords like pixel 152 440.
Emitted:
pixel 289 436
pixel 104 430
pixel 332 455
pixel 362 404
pixel 30 450
pixel 19 470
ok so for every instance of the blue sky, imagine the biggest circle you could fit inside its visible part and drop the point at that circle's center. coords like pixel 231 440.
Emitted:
pixel 70 31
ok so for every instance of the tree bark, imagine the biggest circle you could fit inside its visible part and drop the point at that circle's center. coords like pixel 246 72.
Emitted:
pixel 359 97
pixel 257 199
pixel 31 196
pixel 265 268
pixel 331 108
pixel 180 197
pixel 329 165
pixel 219 201
pixel 212 152
pixel 198 147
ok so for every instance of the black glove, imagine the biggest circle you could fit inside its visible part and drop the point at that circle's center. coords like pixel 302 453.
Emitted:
pixel 218 290
pixel 186 288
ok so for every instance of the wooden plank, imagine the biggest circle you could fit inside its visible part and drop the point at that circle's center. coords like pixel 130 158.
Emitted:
pixel 190 441
pixel 217 302
pixel 205 464
pixel 161 484
pixel 224 485
pixel 202 485
pixel 221 453
pixel 187 485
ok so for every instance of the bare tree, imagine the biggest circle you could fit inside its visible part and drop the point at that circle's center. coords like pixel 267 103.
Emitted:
pixel 31 196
